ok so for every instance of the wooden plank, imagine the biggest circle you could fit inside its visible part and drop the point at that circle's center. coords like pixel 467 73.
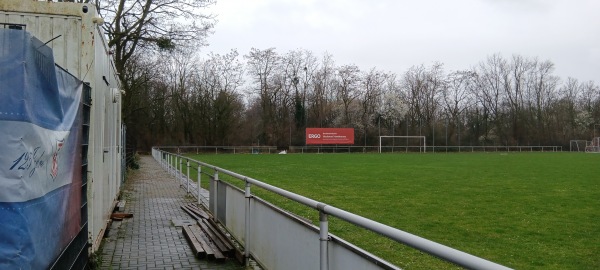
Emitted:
pixel 218 243
pixel 200 212
pixel 121 215
pixel 239 256
pixel 194 216
pixel 194 243
pixel 222 237
pixel 217 254
pixel 210 254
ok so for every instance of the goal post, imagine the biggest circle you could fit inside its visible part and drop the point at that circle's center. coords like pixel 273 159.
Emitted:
pixel 593 146
pixel 578 145
pixel 421 142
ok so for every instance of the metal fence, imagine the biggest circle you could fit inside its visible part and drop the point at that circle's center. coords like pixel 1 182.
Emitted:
pixel 358 149
pixel 263 228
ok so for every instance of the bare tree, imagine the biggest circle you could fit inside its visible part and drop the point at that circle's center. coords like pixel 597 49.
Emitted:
pixel 299 66
pixel 324 88
pixel 491 83
pixel 424 89
pixel 543 87
pixel 217 101
pixel 372 86
pixel 153 24
pixel 458 97
pixel 347 92
pixel 134 26
pixel 263 66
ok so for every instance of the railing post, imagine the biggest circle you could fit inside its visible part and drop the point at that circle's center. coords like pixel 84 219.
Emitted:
pixel 323 238
pixel 187 181
pixel 247 195
pixel 198 183
pixel 180 174
pixel 216 193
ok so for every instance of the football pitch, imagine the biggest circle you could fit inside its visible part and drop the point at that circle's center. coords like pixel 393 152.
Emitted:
pixel 521 210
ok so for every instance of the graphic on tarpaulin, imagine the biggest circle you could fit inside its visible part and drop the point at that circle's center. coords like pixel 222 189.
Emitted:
pixel 40 164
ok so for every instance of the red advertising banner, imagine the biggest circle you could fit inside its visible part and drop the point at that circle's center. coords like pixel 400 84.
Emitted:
pixel 329 136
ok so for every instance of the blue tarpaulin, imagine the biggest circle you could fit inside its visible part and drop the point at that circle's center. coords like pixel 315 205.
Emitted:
pixel 40 163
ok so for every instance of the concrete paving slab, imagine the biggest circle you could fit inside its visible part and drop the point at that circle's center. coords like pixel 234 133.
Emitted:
pixel 149 240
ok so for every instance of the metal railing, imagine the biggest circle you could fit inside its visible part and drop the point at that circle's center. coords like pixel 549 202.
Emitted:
pixel 222 149
pixel 495 148
pixel 360 149
pixel 169 161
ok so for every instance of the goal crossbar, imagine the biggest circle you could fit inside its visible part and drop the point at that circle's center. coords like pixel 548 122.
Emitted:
pixel 404 137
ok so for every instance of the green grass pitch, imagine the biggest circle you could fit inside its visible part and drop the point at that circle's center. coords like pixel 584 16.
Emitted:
pixel 522 210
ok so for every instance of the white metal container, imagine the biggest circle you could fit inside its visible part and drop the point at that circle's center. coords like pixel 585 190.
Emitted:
pixel 80 46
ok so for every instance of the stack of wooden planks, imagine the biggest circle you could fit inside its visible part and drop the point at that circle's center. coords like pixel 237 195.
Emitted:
pixel 205 238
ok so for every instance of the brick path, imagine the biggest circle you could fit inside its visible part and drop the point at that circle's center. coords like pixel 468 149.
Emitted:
pixel 149 240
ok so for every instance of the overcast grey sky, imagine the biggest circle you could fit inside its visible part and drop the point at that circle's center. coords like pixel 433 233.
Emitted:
pixel 393 35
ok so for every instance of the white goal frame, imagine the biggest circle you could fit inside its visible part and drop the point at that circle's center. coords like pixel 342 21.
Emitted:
pixel 406 137
pixel 593 146
pixel 579 145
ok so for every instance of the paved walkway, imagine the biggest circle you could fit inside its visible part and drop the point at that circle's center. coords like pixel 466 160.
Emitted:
pixel 149 240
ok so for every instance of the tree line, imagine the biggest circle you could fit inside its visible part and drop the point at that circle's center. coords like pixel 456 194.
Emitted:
pixel 269 98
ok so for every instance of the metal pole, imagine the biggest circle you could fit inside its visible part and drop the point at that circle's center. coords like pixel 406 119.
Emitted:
pixel 216 193
pixel 459 141
pixel 393 134
pixel 188 176
pixel 180 173
pixel 198 183
pixel 323 238
pixel 247 195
